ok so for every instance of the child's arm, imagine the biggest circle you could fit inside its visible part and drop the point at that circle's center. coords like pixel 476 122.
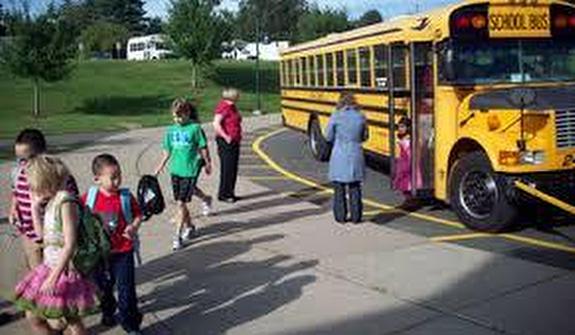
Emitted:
pixel 133 227
pixel 205 152
pixel 69 215
pixel 13 210
pixel 165 158
pixel 218 119
pixel 37 204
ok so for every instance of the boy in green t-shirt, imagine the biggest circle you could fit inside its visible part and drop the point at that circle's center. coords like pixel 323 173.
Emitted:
pixel 185 147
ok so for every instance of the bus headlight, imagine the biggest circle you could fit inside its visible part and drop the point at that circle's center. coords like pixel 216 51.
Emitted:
pixel 532 157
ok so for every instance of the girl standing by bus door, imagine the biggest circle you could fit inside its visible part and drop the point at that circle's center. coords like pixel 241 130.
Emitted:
pixel 402 177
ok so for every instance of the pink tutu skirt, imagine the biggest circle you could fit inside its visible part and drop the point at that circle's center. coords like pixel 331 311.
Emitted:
pixel 74 295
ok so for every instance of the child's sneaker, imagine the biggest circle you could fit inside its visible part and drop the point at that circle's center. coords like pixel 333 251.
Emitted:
pixel 207 207
pixel 189 233
pixel 177 244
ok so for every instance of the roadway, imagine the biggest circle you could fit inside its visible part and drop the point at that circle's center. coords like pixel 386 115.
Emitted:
pixel 283 162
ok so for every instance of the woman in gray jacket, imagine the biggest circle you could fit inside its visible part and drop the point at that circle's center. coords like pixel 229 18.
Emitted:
pixel 346 131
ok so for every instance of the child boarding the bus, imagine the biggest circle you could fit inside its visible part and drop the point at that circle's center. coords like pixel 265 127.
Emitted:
pixel 402 177
pixel 121 216
pixel 185 148
pixel 54 295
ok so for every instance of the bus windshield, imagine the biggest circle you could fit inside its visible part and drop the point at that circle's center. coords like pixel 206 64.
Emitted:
pixel 507 61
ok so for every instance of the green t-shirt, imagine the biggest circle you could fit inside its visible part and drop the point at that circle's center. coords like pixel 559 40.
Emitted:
pixel 183 142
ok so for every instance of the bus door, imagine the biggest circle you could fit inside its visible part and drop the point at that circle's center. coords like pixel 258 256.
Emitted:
pixel 422 116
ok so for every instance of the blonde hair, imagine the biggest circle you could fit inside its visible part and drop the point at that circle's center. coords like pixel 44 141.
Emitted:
pixel 230 93
pixel 346 99
pixel 47 174
pixel 180 110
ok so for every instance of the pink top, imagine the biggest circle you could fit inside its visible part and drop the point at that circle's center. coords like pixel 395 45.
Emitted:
pixel 232 120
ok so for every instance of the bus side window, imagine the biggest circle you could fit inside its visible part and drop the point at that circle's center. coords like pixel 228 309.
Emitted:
pixel 297 66
pixel 320 70
pixel 399 67
pixel 304 72
pixel 290 70
pixel 351 63
pixel 380 65
pixel 312 70
pixel 365 66
pixel 329 67
pixel 340 69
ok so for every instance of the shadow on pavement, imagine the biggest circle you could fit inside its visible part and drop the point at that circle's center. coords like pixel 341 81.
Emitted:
pixel 123 105
pixel 209 289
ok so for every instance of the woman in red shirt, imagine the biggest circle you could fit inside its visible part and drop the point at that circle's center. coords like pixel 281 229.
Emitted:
pixel 228 127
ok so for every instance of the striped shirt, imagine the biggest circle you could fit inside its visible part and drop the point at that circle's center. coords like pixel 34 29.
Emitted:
pixel 23 198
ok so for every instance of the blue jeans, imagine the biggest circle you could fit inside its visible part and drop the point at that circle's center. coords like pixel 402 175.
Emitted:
pixel 120 273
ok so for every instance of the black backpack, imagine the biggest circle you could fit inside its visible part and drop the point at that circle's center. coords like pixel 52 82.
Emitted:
pixel 150 197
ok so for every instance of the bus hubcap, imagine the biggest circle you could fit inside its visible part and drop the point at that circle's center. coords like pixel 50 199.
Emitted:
pixel 478 194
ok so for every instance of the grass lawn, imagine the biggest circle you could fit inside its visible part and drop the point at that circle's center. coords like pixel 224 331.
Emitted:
pixel 116 95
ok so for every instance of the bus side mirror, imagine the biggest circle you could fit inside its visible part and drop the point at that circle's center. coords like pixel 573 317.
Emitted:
pixel 447 65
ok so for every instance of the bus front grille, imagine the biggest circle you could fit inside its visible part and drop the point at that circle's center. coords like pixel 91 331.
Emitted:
pixel 565 124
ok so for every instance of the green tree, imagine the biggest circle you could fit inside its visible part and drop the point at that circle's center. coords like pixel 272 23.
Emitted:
pixel 318 22
pixel 368 18
pixel 195 32
pixel 129 13
pixel 275 17
pixel 154 25
pixel 3 29
pixel 103 36
pixel 42 49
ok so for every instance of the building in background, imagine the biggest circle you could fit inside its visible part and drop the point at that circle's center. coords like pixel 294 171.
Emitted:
pixel 240 50
pixel 147 47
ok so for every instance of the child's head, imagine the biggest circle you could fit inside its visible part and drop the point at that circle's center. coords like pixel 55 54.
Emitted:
pixel 404 126
pixel 107 172
pixel 47 175
pixel 183 111
pixel 29 143
pixel 231 94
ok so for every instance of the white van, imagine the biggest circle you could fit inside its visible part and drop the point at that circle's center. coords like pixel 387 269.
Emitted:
pixel 147 47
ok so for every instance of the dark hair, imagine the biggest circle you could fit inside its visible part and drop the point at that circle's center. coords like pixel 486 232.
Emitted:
pixel 405 121
pixel 103 160
pixel 34 138
pixel 194 117
pixel 346 99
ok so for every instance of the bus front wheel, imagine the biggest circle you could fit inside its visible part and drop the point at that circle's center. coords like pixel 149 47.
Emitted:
pixel 478 195
pixel 318 145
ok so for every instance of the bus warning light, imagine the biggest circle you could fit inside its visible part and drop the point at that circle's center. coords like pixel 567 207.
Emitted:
pixel 479 22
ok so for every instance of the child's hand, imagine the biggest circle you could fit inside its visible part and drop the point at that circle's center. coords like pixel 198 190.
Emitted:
pixel 208 168
pixel 130 231
pixel 49 285
pixel 13 217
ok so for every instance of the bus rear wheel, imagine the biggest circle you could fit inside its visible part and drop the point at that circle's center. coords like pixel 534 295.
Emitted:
pixel 478 195
pixel 318 145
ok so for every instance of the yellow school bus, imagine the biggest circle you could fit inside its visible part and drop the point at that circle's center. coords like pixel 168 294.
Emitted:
pixel 488 85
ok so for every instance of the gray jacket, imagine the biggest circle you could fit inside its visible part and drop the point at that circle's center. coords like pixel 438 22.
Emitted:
pixel 347 131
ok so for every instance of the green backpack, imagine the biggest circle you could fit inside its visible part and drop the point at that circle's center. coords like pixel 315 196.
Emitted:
pixel 93 243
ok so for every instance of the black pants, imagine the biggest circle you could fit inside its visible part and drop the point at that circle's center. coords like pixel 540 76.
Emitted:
pixel 120 273
pixel 229 159
pixel 340 202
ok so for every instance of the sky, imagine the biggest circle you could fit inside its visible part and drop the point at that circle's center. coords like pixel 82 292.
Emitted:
pixel 387 8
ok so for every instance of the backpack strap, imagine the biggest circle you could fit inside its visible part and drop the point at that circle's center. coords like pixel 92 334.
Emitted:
pixel 91 197
pixel 126 200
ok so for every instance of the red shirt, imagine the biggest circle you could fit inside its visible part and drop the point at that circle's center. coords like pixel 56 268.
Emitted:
pixel 232 120
pixel 109 208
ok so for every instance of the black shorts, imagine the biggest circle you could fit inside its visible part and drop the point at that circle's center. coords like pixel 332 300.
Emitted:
pixel 183 188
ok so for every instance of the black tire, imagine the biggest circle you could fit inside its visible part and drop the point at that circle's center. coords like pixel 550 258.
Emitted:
pixel 319 146
pixel 479 196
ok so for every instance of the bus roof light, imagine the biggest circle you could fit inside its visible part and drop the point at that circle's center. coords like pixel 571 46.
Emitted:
pixel 479 21
pixel 462 22
pixel 560 21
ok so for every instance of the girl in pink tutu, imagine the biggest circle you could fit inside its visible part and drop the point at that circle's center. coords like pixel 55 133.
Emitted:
pixel 402 177
pixel 54 295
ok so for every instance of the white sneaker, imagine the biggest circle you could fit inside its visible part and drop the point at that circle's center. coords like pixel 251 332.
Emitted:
pixel 177 244
pixel 207 207
pixel 188 233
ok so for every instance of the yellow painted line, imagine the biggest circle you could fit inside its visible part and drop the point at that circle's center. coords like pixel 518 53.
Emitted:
pixel 289 175
pixel 538 242
pixel 459 237
pixel 268 178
